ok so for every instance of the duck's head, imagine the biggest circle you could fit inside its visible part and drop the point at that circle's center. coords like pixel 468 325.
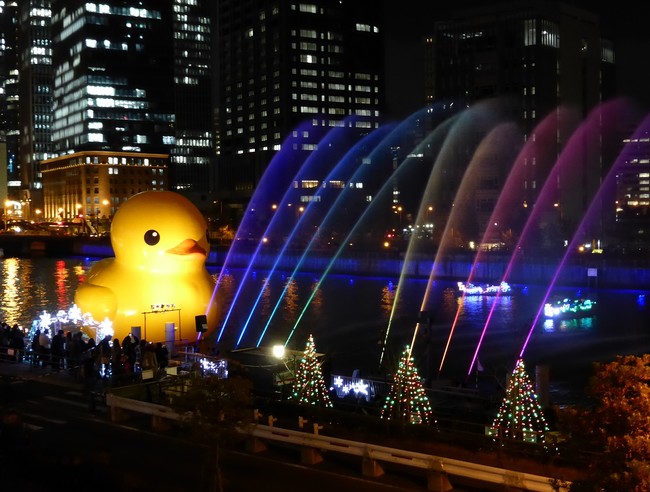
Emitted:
pixel 160 231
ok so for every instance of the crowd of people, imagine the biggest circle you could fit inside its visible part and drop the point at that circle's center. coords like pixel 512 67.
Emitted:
pixel 12 340
pixel 110 358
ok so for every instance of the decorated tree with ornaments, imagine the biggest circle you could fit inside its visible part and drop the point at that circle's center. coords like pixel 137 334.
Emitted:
pixel 309 386
pixel 407 400
pixel 520 416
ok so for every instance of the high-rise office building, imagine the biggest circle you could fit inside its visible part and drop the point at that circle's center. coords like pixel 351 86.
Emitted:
pixel 536 57
pixel 281 64
pixel 192 156
pixel 9 101
pixel 633 195
pixel 112 76
pixel 34 41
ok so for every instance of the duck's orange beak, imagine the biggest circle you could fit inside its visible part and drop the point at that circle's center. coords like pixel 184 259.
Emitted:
pixel 187 247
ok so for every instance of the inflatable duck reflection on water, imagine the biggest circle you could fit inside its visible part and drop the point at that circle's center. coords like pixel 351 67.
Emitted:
pixel 160 246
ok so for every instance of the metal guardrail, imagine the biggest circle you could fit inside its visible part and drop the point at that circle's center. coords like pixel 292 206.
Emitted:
pixel 437 464
pixel 438 467
pixel 153 409
pixel 12 354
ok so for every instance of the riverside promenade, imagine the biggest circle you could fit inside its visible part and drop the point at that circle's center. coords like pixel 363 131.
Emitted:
pixel 430 456
pixel 25 370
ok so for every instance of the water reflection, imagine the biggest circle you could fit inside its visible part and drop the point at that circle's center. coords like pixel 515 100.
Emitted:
pixel 61 281
pixel 31 286
pixel 387 298
pixel 316 304
pixel 10 291
pixel 480 306
pixel 569 325
pixel 291 299
pixel 347 317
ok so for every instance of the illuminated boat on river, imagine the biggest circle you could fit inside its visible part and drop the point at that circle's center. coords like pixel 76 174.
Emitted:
pixel 569 308
pixel 470 289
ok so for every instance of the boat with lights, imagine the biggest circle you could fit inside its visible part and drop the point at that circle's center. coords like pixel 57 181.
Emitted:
pixel 470 289
pixel 569 308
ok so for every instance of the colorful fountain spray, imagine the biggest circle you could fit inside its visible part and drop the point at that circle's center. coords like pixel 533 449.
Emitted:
pixel 461 147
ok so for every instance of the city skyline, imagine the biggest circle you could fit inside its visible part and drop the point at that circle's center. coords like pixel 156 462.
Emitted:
pixel 404 25
pixel 409 21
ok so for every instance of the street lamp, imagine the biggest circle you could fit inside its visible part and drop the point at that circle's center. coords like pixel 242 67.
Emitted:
pixel 106 214
pixel 5 212
pixel 278 351
pixel 288 359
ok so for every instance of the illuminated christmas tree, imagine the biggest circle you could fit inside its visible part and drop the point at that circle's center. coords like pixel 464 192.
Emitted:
pixel 407 401
pixel 520 415
pixel 309 386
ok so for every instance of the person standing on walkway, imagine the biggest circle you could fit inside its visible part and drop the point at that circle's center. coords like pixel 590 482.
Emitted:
pixel 36 348
pixel 149 359
pixel 128 355
pixel 17 342
pixel 58 350
pixel 162 355
pixel 89 359
pixel 66 350
pixel 104 353
pixel 45 345
pixel 117 367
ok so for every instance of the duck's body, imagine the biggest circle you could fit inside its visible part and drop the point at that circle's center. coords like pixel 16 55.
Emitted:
pixel 158 274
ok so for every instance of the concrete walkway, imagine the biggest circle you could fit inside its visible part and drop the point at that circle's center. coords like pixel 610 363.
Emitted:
pixel 27 371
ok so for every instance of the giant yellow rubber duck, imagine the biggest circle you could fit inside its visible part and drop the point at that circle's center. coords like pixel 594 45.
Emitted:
pixel 158 275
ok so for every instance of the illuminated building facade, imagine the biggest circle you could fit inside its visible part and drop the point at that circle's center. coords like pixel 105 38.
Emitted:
pixel 112 73
pixel 134 76
pixel 281 64
pixel 633 194
pixel 34 75
pixel 94 184
pixel 9 101
pixel 192 156
pixel 537 56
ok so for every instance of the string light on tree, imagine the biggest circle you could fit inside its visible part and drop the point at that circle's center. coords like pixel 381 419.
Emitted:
pixel 407 399
pixel 309 386
pixel 520 415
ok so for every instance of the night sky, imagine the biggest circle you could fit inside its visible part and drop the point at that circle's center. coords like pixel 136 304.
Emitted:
pixel 407 21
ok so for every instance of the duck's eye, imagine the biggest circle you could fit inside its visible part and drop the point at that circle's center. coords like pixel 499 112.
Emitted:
pixel 151 237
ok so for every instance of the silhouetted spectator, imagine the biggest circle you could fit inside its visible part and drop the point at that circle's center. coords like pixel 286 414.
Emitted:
pixel 58 350
pixel 17 342
pixel 36 347
pixel 117 365
pixel 45 345
pixel 128 354
pixel 149 359
pixel 162 355
pixel 104 354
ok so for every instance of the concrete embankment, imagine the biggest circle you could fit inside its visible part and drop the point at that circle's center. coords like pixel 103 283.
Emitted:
pixel 589 271
pixel 597 271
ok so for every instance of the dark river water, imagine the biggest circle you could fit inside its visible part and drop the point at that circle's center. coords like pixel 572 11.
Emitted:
pixel 349 315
